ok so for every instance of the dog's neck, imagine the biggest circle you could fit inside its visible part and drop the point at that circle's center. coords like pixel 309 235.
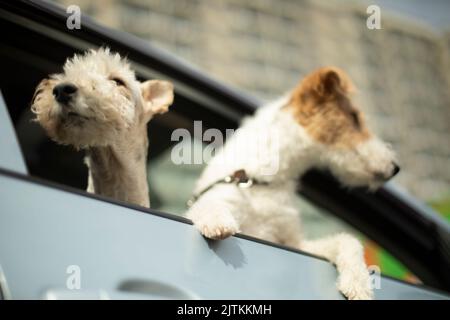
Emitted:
pixel 270 147
pixel 119 171
pixel 297 152
pixel 286 143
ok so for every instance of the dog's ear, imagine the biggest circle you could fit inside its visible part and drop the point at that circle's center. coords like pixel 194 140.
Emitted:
pixel 43 92
pixel 330 83
pixel 157 96
pixel 326 82
pixel 39 89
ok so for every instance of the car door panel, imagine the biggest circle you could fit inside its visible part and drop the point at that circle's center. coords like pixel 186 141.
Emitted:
pixel 120 251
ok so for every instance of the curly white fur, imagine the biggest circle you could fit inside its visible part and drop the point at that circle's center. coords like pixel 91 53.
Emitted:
pixel 107 115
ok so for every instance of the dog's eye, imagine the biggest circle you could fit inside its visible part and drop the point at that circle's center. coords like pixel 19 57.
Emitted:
pixel 118 81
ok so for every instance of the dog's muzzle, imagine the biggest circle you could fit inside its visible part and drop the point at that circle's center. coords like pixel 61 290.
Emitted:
pixel 64 92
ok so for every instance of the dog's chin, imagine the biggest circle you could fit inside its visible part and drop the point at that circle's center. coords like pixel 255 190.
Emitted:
pixel 365 183
pixel 374 185
pixel 79 131
pixel 79 141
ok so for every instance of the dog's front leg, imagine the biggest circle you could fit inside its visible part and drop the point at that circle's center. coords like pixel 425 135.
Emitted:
pixel 347 253
pixel 213 216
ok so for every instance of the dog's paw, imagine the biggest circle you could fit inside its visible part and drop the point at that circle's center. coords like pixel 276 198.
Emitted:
pixel 217 225
pixel 355 285
pixel 217 232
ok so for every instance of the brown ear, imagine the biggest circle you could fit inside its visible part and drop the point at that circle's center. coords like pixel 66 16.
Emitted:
pixel 157 96
pixel 327 82
pixel 40 88
pixel 330 83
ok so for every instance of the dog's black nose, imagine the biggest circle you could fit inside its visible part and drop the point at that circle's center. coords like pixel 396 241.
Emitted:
pixel 64 92
pixel 396 169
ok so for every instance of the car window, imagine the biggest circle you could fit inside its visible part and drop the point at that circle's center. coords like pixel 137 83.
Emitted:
pixel 267 51
pixel 171 185
pixel 319 222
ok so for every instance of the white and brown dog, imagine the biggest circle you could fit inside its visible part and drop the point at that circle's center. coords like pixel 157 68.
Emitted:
pixel 316 125
pixel 97 104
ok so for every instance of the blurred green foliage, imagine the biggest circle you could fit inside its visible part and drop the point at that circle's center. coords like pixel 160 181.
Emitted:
pixel 442 206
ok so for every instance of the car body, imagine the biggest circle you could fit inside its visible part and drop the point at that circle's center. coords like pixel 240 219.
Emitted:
pixel 51 230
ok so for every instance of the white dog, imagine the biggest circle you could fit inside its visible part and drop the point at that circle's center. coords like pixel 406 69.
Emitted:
pixel 316 125
pixel 98 105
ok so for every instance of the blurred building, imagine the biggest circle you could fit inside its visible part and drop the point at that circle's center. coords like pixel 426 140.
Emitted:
pixel 265 47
